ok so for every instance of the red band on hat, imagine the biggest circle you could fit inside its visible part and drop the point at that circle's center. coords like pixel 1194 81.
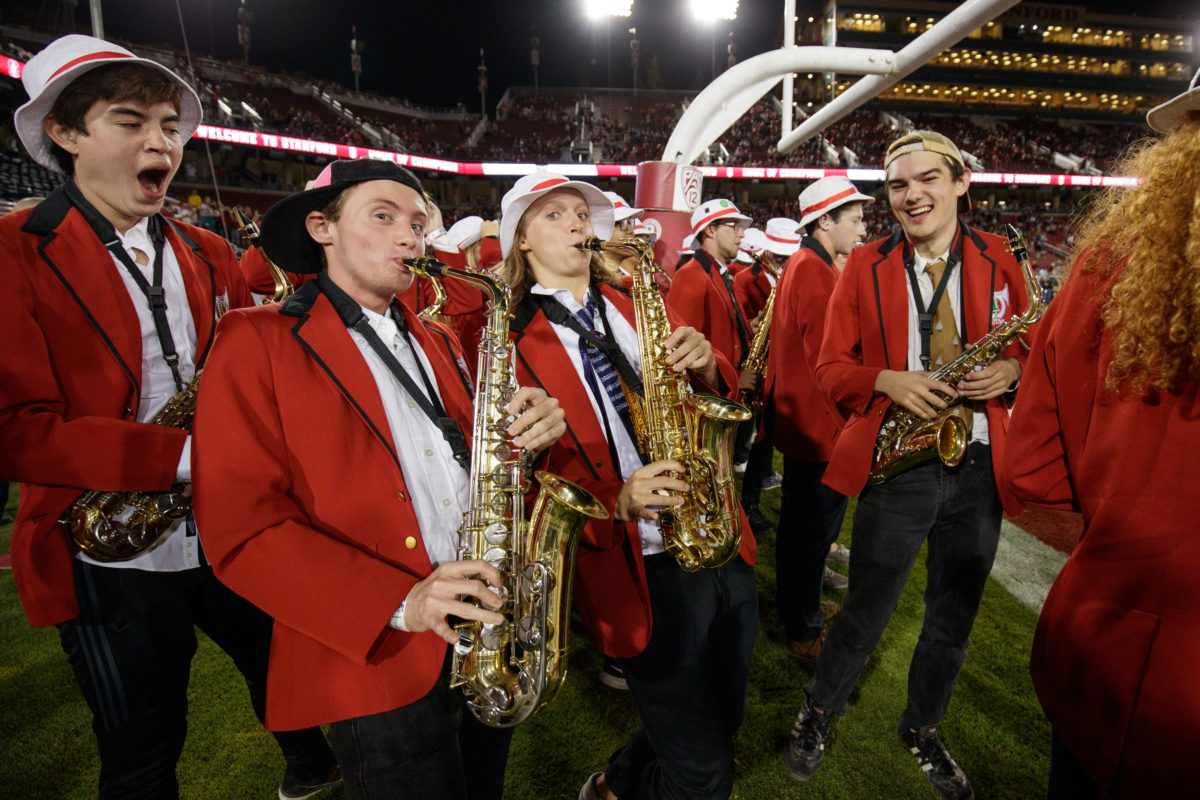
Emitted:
pixel 548 184
pixel 725 212
pixel 82 59
pixel 828 201
pixel 782 239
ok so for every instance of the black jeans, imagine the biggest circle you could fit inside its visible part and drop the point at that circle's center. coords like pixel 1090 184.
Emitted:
pixel 432 748
pixel 131 648
pixel 958 512
pixel 689 684
pixel 810 519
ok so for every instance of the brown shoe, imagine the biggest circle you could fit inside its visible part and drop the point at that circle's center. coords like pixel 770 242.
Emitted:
pixel 806 652
pixel 828 609
pixel 835 580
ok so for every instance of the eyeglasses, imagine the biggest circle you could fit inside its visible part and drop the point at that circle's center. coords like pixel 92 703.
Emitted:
pixel 732 223
pixel 625 225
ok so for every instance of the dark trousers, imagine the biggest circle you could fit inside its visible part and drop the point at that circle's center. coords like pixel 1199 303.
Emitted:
pixel 1068 779
pixel 689 684
pixel 131 648
pixel 433 748
pixel 810 519
pixel 758 469
pixel 958 512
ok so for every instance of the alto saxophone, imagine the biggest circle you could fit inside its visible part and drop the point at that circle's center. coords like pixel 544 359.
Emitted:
pixel 904 439
pixel 672 423
pixel 283 286
pixel 511 670
pixel 434 310
pixel 756 357
pixel 118 526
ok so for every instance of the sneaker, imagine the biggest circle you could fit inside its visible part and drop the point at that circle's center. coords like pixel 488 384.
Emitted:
pixel 841 555
pixel 835 580
pixel 758 523
pixel 612 676
pixel 806 652
pixel 591 789
pixel 944 774
pixel 292 789
pixel 773 482
pixel 806 745
pixel 740 466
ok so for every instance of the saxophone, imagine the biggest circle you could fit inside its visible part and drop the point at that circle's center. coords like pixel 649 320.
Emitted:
pixel 904 439
pixel 756 357
pixel 673 423
pixel 118 526
pixel 511 670
pixel 434 310
pixel 283 286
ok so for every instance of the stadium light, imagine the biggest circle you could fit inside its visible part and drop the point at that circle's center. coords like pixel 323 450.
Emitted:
pixel 597 9
pixel 713 10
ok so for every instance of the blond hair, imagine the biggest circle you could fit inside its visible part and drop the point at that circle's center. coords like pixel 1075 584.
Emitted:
pixel 514 269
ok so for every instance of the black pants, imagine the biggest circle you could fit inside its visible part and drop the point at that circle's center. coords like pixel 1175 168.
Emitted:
pixel 810 518
pixel 433 748
pixel 689 684
pixel 131 648
pixel 1068 780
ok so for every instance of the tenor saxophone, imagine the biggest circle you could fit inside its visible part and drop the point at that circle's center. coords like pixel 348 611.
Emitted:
pixel 904 439
pixel 756 357
pixel 283 286
pixel 511 670
pixel 672 423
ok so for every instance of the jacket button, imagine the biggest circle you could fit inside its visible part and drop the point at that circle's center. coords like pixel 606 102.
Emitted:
pixel 128 411
pixel 401 496
pixel 410 542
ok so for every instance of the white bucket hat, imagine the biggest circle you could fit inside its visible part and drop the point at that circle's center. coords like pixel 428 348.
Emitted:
pixel 646 231
pixel 780 236
pixel 622 210
pixel 826 194
pixel 60 63
pixel 1171 114
pixel 529 188
pixel 464 233
pixel 710 212
pixel 753 241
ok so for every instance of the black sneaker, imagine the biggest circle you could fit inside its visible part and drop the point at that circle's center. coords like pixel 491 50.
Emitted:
pixel 758 523
pixel 946 776
pixel 806 745
pixel 293 789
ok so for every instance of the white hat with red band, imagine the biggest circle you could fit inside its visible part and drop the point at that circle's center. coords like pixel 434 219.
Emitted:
pixel 753 241
pixel 532 186
pixel 622 210
pixel 826 194
pixel 649 232
pixel 708 213
pixel 1167 116
pixel 464 233
pixel 780 236
pixel 60 63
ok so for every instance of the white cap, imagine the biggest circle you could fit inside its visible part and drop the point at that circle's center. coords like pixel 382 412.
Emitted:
pixel 1171 114
pixel 780 237
pixel 621 209
pixel 826 194
pixel 60 63
pixel 650 232
pixel 710 212
pixel 753 241
pixel 466 232
pixel 532 186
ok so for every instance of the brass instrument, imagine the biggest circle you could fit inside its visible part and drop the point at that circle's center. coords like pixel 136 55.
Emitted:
pixel 673 423
pixel 434 310
pixel 511 670
pixel 283 286
pixel 756 357
pixel 904 439
pixel 118 526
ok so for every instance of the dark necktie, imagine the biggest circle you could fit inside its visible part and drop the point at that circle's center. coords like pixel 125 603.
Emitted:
pixel 595 363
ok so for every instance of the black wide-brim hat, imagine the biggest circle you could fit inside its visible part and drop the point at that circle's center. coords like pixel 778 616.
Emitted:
pixel 284 237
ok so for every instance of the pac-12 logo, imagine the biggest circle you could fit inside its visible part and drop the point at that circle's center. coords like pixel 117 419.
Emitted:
pixel 690 179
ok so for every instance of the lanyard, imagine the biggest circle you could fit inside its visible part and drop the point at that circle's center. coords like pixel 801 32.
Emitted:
pixel 353 317
pixel 925 315
pixel 154 292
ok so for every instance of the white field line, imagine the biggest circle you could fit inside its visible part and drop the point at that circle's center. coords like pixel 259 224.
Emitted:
pixel 1025 565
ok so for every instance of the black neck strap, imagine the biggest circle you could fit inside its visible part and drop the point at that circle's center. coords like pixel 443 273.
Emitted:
pixel 710 264
pixel 153 290
pixel 925 314
pixel 352 316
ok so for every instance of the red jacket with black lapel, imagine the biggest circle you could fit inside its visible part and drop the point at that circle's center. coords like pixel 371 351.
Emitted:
pixel 805 419
pixel 610 584
pixel 699 298
pixel 304 511
pixel 71 378
pixel 866 331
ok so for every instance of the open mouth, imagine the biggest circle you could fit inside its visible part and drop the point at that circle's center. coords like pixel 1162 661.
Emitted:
pixel 153 181
pixel 919 213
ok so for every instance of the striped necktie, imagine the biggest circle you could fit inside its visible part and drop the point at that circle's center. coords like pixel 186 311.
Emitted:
pixel 596 361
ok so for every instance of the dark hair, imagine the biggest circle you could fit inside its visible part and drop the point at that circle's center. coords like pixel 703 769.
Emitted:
pixel 113 83
pixel 834 214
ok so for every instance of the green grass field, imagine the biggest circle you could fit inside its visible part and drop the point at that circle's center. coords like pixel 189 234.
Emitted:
pixel 995 728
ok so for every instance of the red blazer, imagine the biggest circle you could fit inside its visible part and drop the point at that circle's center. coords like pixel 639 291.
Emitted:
pixel 610 591
pixel 304 511
pixel 699 298
pixel 751 287
pixel 1118 642
pixel 866 331
pixel 805 419
pixel 465 308
pixel 258 274
pixel 71 378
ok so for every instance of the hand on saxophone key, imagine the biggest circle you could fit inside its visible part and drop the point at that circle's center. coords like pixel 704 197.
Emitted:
pixel 447 592
pixel 539 421
pixel 915 390
pixel 991 381
pixel 687 348
pixel 649 488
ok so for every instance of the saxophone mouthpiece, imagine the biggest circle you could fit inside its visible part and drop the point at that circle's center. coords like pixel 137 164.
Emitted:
pixel 426 265
pixel 1016 244
pixel 593 243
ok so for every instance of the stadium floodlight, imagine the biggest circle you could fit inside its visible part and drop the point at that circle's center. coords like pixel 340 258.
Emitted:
pixel 597 9
pixel 713 10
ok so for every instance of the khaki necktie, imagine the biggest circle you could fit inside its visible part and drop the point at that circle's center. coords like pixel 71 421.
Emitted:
pixel 944 345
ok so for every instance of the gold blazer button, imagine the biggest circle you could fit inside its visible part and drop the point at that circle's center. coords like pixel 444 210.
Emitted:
pixel 410 542
pixel 401 496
